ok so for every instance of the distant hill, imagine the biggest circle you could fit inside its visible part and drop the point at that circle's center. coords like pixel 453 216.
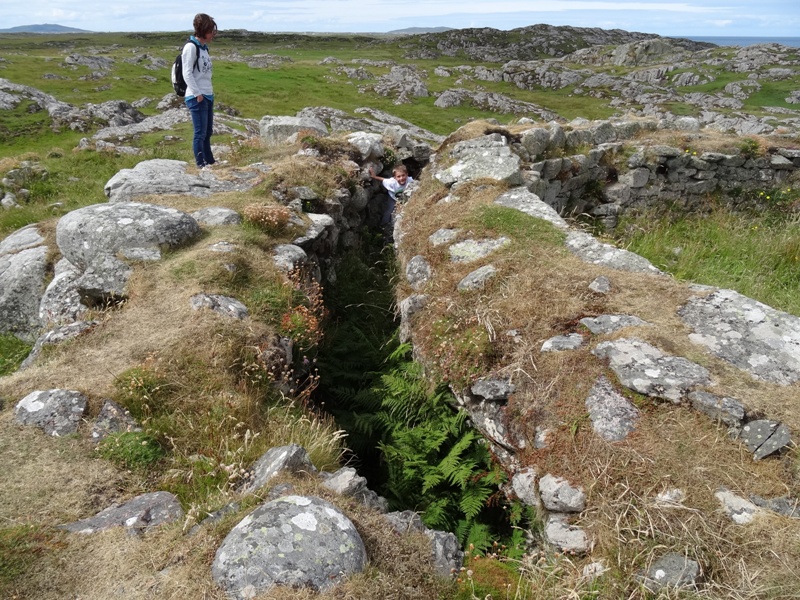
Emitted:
pixel 44 28
pixel 413 30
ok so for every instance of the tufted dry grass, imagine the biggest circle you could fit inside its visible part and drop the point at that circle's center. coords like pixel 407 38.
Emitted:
pixel 540 291
pixel 197 356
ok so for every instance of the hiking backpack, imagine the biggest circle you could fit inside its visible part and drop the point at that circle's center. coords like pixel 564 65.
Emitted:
pixel 178 82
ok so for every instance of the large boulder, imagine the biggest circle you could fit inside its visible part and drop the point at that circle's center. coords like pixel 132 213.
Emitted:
pixel 298 541
pixel 276 130
pixel 88 233
pixel 486 157
pixel 23 263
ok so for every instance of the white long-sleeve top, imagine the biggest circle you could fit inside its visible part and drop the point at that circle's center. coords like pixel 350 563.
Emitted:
pixel 198 81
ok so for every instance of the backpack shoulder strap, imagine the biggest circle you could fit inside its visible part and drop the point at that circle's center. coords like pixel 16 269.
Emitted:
pixel 197 51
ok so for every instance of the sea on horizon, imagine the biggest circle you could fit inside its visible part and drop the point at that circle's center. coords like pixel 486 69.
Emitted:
pixel 744 41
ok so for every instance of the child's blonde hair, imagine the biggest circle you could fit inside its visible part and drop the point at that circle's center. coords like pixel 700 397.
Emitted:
pixel 401 168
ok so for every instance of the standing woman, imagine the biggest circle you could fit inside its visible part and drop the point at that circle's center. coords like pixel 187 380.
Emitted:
pixel 199 92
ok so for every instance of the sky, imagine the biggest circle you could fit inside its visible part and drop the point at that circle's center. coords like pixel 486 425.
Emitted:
pixel 696 18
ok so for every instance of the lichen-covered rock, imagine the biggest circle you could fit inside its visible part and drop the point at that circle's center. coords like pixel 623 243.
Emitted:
pixel 560 496
pixel 291 458
pixel 562 343
pixel 137 515
pixel 100 229
pixel 157 177
pixel 112 418
pixel 56 336
pixel 472 250
pixel 288 257
pixel 418 272
pixel 727 410
pixel 223 305
pixel 610 323
pixel 61 302
pixel 347 482
pixel 564 536
pixel 56 412
pixel 673 571
pixel 217 215
pixel 739 509
pixel 21 287
pixel 525 201
pixel 764 437
pixel 645 369
pixel 613 416
pixel 477 279
pixel 591 250
pixel 746 333
pixel 298 541
pixel 276 130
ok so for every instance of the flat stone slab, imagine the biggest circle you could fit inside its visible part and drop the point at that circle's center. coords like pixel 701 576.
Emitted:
pixel 611 323
pixel 491 163
pixel 720 408
pixel 443 236
pixel 142 513
pixel 162 177
pixel 478 279
pixel 763 437
pixel 612 414
pixel 561 343
pixel 319 225
pixel 645 369
pixel 472 250
pixel 529 203
pixel 591 250
pixel 746 333
pixel 217 215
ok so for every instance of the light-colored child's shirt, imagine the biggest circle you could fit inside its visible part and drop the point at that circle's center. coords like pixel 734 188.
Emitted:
pixel 391 185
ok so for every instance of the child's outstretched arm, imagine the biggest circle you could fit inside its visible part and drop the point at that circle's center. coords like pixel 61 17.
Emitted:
pixel 373 176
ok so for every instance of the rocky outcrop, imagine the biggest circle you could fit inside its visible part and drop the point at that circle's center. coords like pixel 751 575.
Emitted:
pixel 493 102
pixel 161 176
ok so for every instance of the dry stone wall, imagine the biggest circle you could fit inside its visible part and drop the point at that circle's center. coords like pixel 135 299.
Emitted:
pixel 617 172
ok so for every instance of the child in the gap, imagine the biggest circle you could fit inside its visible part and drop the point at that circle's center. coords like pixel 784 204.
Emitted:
pixel 395 185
